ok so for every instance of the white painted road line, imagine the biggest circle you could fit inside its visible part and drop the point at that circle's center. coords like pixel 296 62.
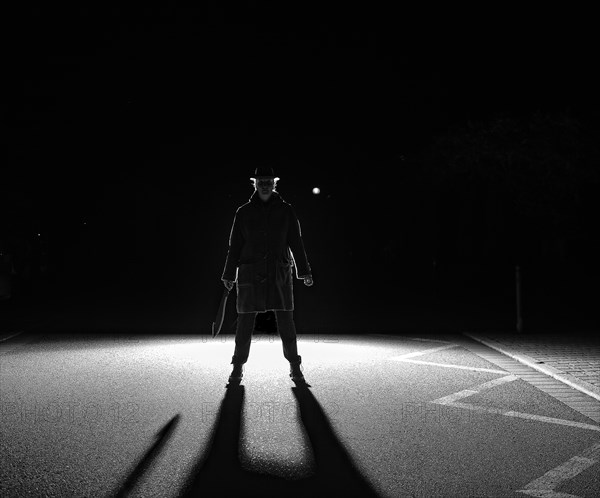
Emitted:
pixel 451 400
pixel 428 340
pixel 544 486
pixel 496 382
pixel 527 416
pixel 420 362
pixel 427 351
pixel 23 340
pixel 11 336
pixel 411 338
pixel 552 420
pixel 465 393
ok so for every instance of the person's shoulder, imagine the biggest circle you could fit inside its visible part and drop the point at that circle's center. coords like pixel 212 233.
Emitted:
pixel 286 206
pixel 283 202
pixel 290 211
pixel 240 210
pixel 244 206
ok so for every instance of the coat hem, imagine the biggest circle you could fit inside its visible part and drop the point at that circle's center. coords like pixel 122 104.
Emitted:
pixel 265 310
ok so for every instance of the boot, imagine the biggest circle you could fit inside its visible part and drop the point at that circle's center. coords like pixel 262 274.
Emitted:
pixel 237 372
pixel 296 370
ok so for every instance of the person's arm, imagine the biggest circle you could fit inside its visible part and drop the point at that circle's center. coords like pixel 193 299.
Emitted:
pixel 296 244
pixel 236 241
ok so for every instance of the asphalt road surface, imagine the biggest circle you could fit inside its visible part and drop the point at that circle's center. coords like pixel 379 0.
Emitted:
pixel 388 416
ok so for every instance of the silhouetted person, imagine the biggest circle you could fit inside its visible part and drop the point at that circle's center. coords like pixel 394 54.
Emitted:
pixel 264 230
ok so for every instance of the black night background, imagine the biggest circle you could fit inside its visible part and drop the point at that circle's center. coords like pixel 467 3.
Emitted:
pixel 446 153
pixel 444 165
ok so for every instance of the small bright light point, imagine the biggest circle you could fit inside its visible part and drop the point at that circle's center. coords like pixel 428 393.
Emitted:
pixel 316 190
pixel 39 234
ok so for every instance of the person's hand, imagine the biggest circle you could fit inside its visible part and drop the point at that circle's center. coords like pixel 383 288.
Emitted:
pixel 228 284
pixel 308 281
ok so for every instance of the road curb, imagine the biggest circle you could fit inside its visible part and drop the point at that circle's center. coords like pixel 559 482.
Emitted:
pixel 567 379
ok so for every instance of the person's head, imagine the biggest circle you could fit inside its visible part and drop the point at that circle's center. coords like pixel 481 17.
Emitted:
pixel 264 182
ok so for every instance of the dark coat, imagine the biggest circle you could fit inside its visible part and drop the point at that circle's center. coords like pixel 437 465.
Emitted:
pixel 259 249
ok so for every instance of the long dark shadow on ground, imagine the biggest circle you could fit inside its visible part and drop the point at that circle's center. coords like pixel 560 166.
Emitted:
pixel 147 460
pixel 220 473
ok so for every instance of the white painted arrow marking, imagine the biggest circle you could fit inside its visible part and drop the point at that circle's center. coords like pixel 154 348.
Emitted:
pixel 451 400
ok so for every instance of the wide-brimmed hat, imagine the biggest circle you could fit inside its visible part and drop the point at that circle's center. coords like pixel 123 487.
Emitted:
pixel 264 172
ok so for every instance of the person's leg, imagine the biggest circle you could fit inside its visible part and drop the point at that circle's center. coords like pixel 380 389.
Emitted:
pixel 243 337
pixel 287 332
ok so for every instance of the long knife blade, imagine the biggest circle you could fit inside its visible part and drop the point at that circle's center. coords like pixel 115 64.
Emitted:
pixel 218 323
